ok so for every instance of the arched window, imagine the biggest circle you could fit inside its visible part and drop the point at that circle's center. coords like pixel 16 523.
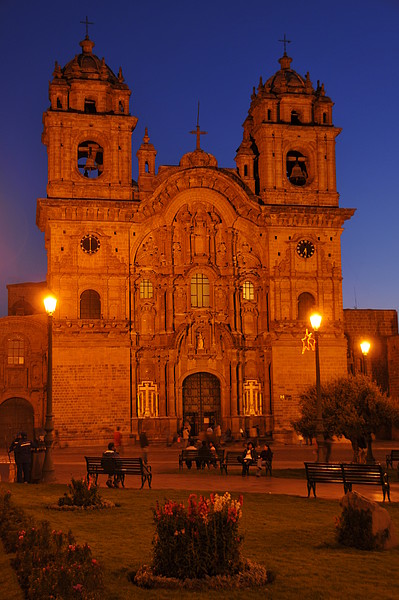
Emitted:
pixel 306 303
pixel 245 170
pixel 248 290
pixel 16 351
pixel 90 305
pixel 146 289
pixel 324 117
pixel 199 291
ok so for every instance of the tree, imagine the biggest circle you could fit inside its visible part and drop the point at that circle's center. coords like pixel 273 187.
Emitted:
pixel 353 407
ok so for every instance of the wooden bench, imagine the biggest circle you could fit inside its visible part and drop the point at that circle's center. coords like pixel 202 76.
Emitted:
pixel 121 466
pixel 348 474
pixel 192 455
pixel 365 475
pixel 231 459
pixel 390 458
pixel 322 473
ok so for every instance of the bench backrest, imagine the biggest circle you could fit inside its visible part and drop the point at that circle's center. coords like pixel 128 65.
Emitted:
pixel 110 465
pixel 232 457
pixel 324 472
pixel 359 473
pixel 189 454
pixel 394 454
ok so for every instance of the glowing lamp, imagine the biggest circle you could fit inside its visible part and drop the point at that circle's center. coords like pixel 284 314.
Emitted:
pixel 315 320
pixel 50 302
pixel 365 346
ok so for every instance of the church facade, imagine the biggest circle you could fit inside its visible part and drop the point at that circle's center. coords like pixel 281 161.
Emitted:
pixel 185 296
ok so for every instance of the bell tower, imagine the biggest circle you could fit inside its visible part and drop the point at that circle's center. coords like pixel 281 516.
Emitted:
pixel 290 133
pixel 87 130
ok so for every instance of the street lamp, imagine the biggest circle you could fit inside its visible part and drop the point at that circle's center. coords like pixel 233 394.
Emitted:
pixel 315 320
pixel 48 474
pixel 365 347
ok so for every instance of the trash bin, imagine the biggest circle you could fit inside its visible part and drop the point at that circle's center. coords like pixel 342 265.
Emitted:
pixel 37 465
pixel 7 470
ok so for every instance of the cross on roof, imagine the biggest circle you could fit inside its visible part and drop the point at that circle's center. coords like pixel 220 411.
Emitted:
pixel 285 42
pixel 198 131
pixel 87 23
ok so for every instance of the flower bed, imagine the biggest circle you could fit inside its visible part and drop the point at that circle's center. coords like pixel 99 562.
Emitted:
pixel 199 546
pixel 49 564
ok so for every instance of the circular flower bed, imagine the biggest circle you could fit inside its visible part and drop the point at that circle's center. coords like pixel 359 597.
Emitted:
pixel 251 574
pixel 104 504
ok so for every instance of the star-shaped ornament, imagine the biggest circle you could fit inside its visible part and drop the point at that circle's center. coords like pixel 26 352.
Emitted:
pixel 308 342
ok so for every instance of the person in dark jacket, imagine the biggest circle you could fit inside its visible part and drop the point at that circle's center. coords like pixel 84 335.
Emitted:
pixel 248 458
pixel 111 453
pixel 23 458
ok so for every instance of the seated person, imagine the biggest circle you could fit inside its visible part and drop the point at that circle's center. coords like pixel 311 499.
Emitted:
pixel 190 446
pixel 204 456
pixel 266 456
pixel 213 454
pixel 248 458
pixel 111 453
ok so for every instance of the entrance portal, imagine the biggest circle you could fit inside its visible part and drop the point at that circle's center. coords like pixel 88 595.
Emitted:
pixel 201 401
pixel 16 414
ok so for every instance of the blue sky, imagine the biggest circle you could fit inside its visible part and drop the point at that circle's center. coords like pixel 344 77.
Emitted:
pixel 178 52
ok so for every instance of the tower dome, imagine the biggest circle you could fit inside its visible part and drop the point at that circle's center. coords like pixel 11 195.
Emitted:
pixel 286 80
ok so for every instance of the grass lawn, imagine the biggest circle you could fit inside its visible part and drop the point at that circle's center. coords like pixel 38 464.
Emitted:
pixel 292 536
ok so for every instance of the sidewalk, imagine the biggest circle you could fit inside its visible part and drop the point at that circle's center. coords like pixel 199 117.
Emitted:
pixel 70 462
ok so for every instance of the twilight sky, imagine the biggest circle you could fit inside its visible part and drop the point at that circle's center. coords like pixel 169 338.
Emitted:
pixel 176 52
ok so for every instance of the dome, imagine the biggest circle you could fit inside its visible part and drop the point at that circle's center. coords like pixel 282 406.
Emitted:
pixel 286 79
pixel 198 158
pixel 88 66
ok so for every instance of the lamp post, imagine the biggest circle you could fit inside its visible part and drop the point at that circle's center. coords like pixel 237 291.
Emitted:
pixel 315 320
pixel 48 474
pixel 365 347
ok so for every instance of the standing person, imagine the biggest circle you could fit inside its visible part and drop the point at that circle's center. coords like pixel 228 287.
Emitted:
pixel 186 435
pixel 118 439
pixel 144 446
pixel 23 458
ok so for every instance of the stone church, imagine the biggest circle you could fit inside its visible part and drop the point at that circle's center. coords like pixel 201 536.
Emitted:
pixel 184 296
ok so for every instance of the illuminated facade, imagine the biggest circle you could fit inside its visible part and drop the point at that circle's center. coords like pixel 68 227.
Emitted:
pixel 185 295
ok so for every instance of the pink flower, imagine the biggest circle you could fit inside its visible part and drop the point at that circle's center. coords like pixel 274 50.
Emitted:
pixel 78 587
pixel 94 562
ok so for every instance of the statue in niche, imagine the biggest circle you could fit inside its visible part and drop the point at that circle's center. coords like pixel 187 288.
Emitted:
pixel 177 253
pixel 200 341
pixel 221 253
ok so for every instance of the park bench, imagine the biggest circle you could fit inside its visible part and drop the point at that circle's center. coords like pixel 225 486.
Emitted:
pixel 348 474
pixel 192 455
pixel 391 457
pixel 322 473
pixel 365 475
pixel 232 459
pixel 120 466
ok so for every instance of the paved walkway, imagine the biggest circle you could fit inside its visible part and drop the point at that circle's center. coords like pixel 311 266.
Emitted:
pixel 69 462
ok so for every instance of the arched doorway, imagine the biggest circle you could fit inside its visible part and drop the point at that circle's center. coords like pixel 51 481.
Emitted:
pixel 16 414
pixel 201 401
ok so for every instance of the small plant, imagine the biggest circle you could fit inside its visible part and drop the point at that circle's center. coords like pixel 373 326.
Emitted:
pixel 81 492
pixel 354 529
pixel 200 541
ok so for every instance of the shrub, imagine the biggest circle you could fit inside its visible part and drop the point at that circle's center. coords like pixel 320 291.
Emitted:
pixel 81 493
pixel 49 564
pixel 200 541
pixel 12 521
pixel 354 528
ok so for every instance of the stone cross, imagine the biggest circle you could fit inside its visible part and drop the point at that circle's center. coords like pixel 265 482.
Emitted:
pixel 87 23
